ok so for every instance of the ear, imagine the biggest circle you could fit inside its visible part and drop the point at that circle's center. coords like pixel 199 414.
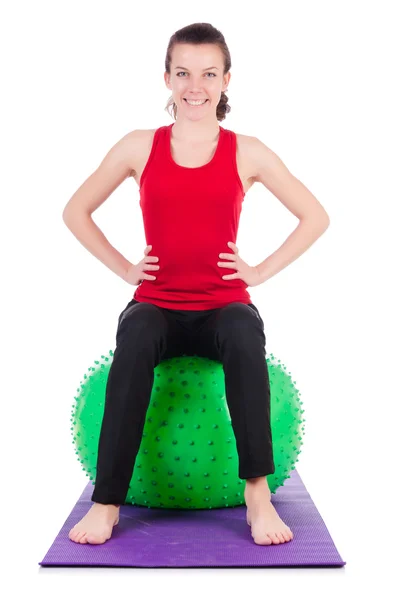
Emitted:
pixel 226 80
pixel 167 80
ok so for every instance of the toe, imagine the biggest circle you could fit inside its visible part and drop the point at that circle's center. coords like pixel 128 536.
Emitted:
pixel 79 536
pixel 264 540
pixel 73 534
pixel 273 537
pixel 280 537
pixel 97 540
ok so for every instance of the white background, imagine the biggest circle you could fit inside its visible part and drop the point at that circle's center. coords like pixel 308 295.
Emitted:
pixel 313 81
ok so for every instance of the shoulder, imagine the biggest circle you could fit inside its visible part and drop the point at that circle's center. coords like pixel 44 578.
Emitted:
pixel 253 145
pixel 138 136
pixel 135 144
pixel 245 143
pixel 131 141
pixel 257 154
pixel 143 136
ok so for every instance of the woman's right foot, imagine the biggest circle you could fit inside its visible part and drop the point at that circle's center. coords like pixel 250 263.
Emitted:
pixel 97 525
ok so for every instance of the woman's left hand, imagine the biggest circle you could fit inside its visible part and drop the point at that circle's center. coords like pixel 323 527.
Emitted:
pixel 249 275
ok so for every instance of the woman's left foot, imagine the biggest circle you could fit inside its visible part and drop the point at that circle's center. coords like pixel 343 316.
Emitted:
pixel 266 526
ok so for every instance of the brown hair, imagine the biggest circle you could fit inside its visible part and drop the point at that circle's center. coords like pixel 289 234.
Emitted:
pixel 200 33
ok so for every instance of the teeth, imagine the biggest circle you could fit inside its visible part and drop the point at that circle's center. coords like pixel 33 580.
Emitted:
pixel 195 102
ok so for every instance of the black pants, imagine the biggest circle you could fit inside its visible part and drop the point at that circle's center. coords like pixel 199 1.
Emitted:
pixel 148 334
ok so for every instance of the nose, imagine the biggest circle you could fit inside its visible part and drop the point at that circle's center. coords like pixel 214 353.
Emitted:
pixel 194 91
pixel 195 85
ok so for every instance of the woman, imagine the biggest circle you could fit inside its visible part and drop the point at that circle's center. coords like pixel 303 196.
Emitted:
pixel 192 295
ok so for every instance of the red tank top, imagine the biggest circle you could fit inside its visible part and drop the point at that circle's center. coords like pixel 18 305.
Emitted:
pixel 189 216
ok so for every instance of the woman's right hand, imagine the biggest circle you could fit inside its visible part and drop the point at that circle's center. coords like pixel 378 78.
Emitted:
pixel 136 273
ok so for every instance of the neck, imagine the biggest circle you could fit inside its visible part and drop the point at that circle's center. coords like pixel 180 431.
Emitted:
pixel 195 131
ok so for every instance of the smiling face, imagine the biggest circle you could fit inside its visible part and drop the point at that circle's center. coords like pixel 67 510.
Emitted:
pixel 196 74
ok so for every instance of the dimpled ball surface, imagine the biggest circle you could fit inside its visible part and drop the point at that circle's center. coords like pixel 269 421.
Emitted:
pixel 188 456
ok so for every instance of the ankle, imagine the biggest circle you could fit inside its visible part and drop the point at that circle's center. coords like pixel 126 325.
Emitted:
pixel 257 487
pixel 257 481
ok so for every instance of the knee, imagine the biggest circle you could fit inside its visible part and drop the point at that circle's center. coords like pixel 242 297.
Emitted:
pixel 236 315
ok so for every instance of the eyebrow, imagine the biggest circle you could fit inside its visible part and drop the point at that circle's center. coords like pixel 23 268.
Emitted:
pixel 207 69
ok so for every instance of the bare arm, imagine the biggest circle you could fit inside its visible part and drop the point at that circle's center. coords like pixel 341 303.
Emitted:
pixel 294 195
pixel 113 170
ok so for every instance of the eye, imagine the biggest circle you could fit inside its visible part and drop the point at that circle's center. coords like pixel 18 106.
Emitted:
pixel 214 74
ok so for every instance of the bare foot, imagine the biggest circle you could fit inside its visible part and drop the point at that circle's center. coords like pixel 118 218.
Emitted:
pixel 97 525
pixel 266 526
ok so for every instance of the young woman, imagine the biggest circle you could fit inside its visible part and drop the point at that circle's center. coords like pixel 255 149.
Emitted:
pixel 192 295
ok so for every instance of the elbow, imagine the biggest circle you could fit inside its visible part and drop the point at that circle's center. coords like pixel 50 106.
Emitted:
pixel 67 212
pixel 317 224
pixel 67 217
pixel 323 224
pixel 325 221
pixel 318 220
pixel 322 220
pixel 71 215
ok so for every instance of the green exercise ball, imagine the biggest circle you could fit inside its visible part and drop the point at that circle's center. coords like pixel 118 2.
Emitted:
pixel 188 455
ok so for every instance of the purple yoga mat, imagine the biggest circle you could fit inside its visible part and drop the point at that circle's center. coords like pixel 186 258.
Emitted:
pixel 152 537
